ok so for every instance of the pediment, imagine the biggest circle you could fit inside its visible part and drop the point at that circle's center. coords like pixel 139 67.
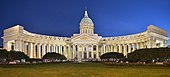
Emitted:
pixel 85 38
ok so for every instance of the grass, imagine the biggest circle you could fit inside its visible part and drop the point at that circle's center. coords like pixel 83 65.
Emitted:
pixel 82 70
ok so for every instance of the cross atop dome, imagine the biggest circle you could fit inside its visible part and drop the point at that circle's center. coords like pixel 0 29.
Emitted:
pixel 86 14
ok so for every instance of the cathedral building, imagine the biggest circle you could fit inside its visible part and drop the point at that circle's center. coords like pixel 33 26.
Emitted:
pixel 85 45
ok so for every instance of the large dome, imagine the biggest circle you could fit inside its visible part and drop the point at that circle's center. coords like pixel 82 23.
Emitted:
pixel 86 20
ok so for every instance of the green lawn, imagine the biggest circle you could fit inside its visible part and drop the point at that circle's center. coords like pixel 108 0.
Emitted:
pixel 82 70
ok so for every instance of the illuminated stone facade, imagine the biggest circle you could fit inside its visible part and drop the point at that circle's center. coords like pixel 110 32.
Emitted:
pixel 85 45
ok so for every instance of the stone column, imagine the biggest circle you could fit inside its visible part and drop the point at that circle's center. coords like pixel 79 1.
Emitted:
pixel 48 48
pixel 65 51
pixel 111 48
pixel 104 48
pixel 60 49
pixel 39 51
pixel 97 52
pixel 165 43
pixel 78 53
pixel 107 48
pixel 144 45
pixel 137 45
pixel 92 53
pixel 125 49
pixel 23 47
pixel 74 50
pixel 87 49
pixel 26 48
pixel 34 51
pixel 120 48
pixel 57 51
pixel 149 43
pixel 101 50
pixel 134 47
pixel 115 48
pixel 129 48
pixel 54 48
pixel 141 45
pixel 51 48
pixel 69 52
pixel 154 42
pixel 30 50
pixel 82 52
pixel 43 49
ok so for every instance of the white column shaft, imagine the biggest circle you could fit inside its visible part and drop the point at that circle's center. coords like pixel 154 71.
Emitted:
pixel 92 53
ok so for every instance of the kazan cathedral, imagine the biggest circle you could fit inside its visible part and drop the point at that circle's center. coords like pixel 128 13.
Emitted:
pixel 82 46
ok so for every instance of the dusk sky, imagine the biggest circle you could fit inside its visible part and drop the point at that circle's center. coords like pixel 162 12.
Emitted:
pixel 62 17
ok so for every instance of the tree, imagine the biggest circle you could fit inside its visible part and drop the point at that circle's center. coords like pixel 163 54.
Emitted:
pixel 54 56
pixel 17 55
pixel 63 57
pixel 3 55
pixel 112 55
pixel 150 54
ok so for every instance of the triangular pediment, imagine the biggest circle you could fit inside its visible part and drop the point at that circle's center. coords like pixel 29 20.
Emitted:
pixel 85 38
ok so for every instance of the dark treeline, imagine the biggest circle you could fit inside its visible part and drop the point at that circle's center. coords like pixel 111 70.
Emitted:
pixel 148 54
pixel 8 56
pixel 111 55
pixel 54 56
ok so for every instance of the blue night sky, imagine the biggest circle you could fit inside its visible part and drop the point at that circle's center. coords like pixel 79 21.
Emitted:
pixel 62 17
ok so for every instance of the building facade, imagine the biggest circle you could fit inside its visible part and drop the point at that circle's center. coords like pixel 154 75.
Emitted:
pixel 85 45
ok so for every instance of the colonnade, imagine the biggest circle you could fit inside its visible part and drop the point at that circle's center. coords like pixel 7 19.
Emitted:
pixel 123 48
pixel 38 50
pixel 78 51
